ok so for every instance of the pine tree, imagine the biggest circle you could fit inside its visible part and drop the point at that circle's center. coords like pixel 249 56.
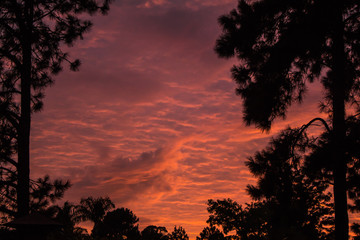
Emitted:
pixel 31 34
pixel 282 46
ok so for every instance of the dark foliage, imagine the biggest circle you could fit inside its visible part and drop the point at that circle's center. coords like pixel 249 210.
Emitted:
pixel 300 204
pixel 31 35
pixel 51 23
pixel 288 204
pixel 118 224
pixel 320 167
pixel 211 233
pixel 178 233
pixel 154 233
pixel 94 210
pixel 283 45
pixel 69 216
pixel 43 193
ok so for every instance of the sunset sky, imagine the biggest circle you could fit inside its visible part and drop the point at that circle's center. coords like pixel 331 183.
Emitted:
pixel 151 119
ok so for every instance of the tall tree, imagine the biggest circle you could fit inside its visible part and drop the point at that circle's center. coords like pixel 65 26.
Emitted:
pixel 281 46
pixel 31 34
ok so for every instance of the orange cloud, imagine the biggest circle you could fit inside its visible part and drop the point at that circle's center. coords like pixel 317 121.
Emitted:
pixel 152 119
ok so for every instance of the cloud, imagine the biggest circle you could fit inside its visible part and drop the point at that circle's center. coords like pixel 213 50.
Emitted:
pixel 151 119
pixel 125 179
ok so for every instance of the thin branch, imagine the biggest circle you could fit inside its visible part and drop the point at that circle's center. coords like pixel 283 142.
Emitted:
pixel 352 117
pixel 46 14
pixel 13 119
pixel 7 169
pixel 10 91
pixel 9 183
pixel 304 127
pixel 11 161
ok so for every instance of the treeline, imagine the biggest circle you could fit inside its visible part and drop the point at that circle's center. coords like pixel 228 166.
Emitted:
pixel 109 223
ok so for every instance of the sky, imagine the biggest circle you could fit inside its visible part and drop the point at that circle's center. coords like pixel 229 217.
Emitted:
pixel 152 119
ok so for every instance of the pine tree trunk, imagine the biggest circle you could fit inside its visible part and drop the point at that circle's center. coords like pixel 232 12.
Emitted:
pixel 339 129
pixel 340 168
pixel 23 195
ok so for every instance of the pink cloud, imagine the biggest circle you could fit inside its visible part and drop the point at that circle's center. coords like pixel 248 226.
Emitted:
pixel 151 119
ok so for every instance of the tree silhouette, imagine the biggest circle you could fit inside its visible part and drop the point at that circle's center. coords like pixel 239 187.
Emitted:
pixel 320 168
pixel 178 233
pixel 289 203
pixel 118 224
pixel 300 204
pixel 43 193
pixel 94 210
pixel 31 33
pixel 154 233
pixel 68 215
pixel 281 46
pixel 211 233
pixel 249 222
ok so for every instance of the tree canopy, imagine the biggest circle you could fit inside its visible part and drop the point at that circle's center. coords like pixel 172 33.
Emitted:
pixel 282 46
pixel 178 233
pixel 211 233
pixel 120 223
pixel 153 232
